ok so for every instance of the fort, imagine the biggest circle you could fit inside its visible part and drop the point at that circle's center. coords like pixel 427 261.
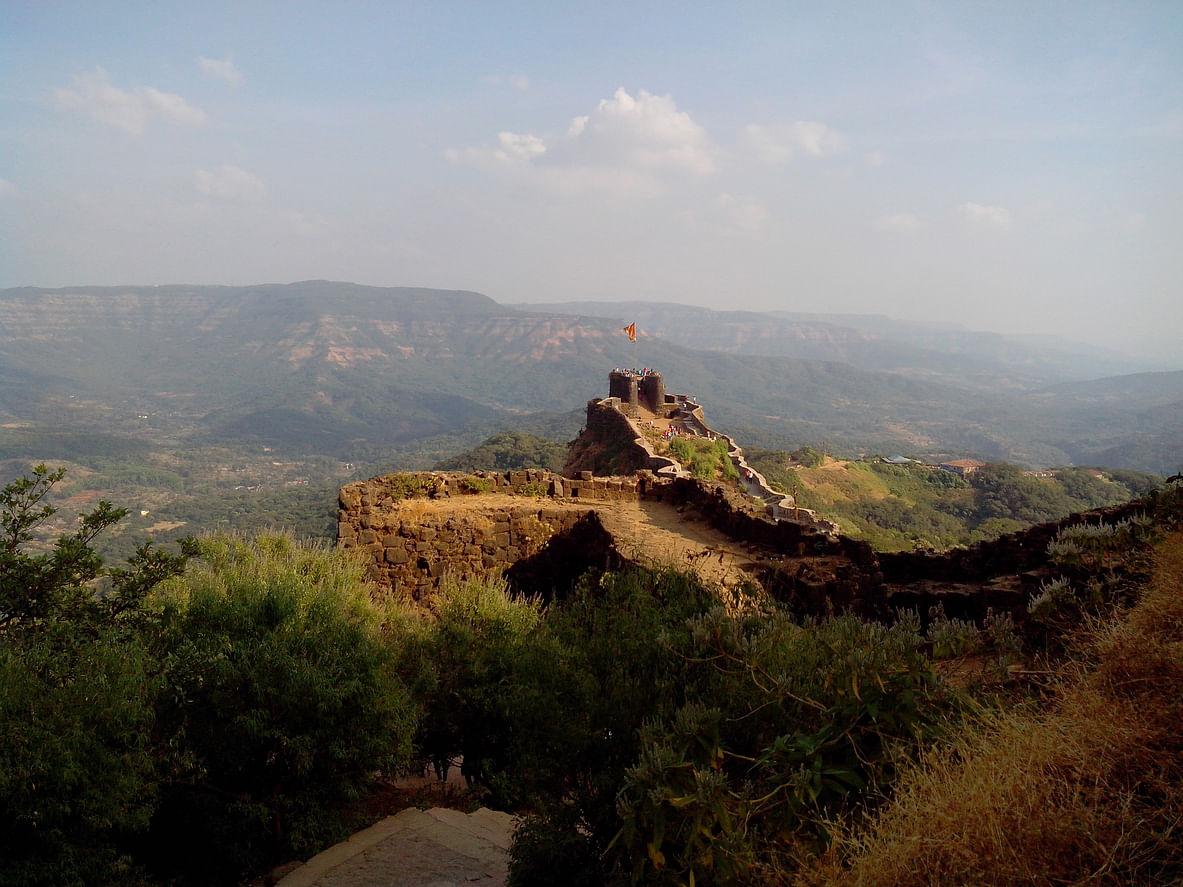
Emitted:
pixel 618 501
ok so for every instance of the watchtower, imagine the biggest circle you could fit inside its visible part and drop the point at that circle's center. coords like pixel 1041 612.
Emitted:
pixel 623 384
pixel 637 390
pixel 653 393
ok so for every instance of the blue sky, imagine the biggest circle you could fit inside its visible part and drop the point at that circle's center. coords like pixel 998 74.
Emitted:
pixel 1015 166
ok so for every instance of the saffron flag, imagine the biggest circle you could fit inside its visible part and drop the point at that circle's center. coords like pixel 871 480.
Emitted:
pixel 631 330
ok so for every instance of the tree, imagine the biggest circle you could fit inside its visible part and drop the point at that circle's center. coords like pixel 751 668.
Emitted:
pixel 77 766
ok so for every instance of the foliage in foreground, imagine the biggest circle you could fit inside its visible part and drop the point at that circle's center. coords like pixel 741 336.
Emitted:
pixel 77 685
pixel 1088 789
pixel 200 729
pixel 207 725
pixel 696 745
pixel 282 692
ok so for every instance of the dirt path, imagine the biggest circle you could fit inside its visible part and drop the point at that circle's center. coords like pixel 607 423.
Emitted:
pixel 657 533
pixel 416 848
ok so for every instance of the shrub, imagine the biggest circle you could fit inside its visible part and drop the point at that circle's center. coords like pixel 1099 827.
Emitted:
pixel 789 723
pixel 463 664
pixel 76 761
pixel 475 485
pixel 281 700
pixel 1086 789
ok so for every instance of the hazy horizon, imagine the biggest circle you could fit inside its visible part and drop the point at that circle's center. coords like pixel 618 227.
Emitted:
pixel 1009 167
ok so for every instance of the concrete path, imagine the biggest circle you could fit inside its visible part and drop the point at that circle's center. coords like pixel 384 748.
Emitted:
pixel 416 848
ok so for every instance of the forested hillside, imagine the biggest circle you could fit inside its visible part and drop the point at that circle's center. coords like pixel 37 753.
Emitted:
pixel 341 370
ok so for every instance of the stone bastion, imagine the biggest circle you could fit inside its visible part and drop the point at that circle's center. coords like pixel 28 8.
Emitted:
pixel 542 531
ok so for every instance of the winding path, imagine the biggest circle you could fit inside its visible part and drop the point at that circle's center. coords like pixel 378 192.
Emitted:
pixel 416 848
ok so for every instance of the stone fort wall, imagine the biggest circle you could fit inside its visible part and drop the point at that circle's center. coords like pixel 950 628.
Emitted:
pixel 403 525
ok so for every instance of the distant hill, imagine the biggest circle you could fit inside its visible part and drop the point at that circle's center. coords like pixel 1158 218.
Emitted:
pixel 935 352
pixel 337 368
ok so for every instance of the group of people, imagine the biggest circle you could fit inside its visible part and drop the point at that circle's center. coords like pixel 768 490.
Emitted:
pixel 647 371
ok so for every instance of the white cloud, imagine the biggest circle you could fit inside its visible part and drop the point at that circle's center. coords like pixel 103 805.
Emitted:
pixel 94 96
pixel 518 147
pixel 229 182
pixel 647 132
pixel 780 144
pixel 513 150
pixel 6 188
pixel 171 107
pixel 985 216
pixel 875 159
pixel 223 69
pixel 901 223
pixel 620 147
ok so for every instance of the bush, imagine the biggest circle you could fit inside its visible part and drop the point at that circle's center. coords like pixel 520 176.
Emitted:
pixel 281 700
pixel 76 760
pixel 463 663
pixel 789 723
pixel 475 485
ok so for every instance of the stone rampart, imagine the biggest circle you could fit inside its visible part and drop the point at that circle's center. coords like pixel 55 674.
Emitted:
pixel 411 537
pixel 544 530
pixel 779 505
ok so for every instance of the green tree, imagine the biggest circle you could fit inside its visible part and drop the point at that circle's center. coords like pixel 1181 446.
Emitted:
pixel 280 697
pixel 463 662
pixel 77 764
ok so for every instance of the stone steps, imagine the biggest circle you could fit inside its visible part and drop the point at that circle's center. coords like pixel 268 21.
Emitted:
pixel 416 848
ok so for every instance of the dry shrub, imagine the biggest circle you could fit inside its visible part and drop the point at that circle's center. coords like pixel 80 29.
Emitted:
pixel 1088 791
pixel 414 510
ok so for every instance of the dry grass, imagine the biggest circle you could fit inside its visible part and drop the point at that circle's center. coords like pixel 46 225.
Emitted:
pixel 1087 791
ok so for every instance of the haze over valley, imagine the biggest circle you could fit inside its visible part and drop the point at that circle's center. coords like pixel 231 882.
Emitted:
pixel 735 438
pixel 342 371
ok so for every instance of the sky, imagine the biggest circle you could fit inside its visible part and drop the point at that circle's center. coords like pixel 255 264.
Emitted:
pixel 1008 166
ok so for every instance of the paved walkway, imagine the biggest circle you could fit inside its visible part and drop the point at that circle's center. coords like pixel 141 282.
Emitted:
pixel 416 848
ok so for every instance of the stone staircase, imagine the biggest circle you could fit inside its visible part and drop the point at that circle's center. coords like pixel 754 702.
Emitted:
pixel 416 848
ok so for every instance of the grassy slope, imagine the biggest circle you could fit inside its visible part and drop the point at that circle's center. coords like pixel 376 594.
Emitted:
pixel 903 507
pixel 892 509
pixel 1088 789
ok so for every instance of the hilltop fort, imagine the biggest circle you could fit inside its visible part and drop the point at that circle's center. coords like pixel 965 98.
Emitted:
pixel 624 498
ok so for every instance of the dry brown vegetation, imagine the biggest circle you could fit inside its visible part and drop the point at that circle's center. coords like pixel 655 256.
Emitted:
pixel 1087 789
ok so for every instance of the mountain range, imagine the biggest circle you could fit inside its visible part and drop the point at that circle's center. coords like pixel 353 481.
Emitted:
pixel 330 368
